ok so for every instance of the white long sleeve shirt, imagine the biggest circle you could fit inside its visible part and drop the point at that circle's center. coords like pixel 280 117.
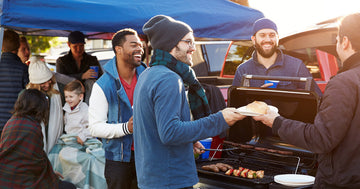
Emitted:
pixel 98 111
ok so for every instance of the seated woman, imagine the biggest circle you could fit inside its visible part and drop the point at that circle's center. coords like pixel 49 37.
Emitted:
pixel 77 154
pixel 42 79
pixel 23 161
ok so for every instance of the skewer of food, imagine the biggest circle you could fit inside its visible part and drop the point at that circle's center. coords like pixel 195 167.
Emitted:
pixel 246 173
pixel 229 170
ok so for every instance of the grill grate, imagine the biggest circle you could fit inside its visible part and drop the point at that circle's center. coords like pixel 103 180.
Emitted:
pixel 296 159
pixel 268 176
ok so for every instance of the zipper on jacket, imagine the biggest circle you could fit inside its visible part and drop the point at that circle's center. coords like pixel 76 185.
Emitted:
pixel 118 97
pixel 119 114
pixel 122 151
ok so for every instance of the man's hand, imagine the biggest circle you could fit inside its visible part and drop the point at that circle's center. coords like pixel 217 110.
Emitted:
pixel 268 118
pixel 90 73
pixel 197 146
pixel 130 125
pixel 231 116
pixel 266 85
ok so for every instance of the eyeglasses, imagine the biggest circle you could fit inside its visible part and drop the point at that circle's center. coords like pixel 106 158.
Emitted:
pixel 189 42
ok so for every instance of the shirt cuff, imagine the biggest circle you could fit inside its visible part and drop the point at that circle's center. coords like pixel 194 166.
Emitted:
pixel 126 129
pixel 277 124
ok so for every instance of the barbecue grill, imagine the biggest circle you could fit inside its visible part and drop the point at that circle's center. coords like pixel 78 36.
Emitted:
pixel 252 145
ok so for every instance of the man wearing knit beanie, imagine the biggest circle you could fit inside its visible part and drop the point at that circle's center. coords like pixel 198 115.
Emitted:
pixel 164 135
pixel 269 60
pixel 165 33
pixel 335 130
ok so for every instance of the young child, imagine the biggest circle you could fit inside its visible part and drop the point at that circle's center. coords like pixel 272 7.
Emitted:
pixel 76 111
pixel 77 149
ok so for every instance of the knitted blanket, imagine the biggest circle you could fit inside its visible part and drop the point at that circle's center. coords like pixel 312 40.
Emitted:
pixel 82 165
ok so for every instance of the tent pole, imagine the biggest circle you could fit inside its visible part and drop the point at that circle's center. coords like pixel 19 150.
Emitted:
pixel 1 38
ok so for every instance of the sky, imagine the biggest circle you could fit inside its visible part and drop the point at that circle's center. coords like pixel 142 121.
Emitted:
pixel 293 15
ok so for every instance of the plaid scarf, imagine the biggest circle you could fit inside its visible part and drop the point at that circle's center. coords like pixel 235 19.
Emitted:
pixel 199 104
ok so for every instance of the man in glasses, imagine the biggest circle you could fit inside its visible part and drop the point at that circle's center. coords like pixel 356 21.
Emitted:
pixel 165 138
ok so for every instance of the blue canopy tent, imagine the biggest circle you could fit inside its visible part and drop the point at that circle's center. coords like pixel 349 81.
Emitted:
pixel 209 18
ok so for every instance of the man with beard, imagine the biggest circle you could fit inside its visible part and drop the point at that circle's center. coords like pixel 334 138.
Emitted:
pixel 269 60
pixel 334 134
pixel 110 109
pixel 165 138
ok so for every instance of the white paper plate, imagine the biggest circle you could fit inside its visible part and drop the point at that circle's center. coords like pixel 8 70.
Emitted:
pixel 294 179
pixel 242 110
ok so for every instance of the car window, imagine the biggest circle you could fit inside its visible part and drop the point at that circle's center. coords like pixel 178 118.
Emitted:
pixel 237 55
pixel 309 58
pixel 215 55
pixel 209 57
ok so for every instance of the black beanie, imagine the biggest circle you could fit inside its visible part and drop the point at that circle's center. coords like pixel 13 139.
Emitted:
pixel 164 32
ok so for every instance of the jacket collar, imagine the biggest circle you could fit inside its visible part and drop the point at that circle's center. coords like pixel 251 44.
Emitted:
pixel 67 108
pixel 352 62
pixel 11 55
pixel 111 69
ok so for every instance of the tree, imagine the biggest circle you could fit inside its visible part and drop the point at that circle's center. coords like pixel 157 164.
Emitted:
pixel 41 44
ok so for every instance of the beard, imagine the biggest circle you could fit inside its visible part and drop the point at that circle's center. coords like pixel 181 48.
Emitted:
pixel 182 56
pixel 131 61
pixel 263 53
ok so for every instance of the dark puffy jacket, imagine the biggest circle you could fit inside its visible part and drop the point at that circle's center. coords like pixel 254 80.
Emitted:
pixel 334 136
pixel 13 78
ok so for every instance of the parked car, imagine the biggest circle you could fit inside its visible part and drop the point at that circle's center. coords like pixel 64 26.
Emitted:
pixel 316 47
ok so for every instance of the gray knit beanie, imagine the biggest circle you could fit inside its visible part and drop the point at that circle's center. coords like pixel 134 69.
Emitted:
pixel 164 32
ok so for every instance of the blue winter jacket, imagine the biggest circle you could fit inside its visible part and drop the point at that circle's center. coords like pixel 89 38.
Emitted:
pixel 120 111
pixel 13 78
pixel 163 132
